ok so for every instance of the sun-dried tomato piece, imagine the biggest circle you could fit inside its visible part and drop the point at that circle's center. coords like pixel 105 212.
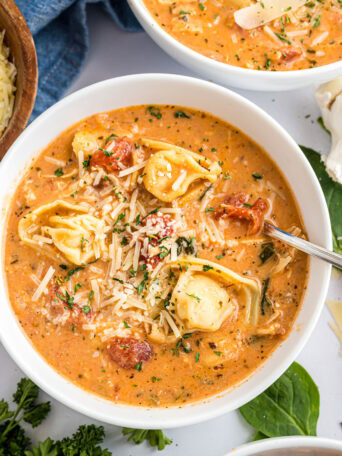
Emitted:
pixel 59 302
pixel 236 207
pixel 127 352
pixel 290 53
pixel 114 153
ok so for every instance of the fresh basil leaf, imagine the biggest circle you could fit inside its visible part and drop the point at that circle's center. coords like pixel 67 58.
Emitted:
pixel 288 407
pixel 333 194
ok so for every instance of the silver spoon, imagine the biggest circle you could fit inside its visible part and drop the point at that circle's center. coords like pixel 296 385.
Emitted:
pixel 303 245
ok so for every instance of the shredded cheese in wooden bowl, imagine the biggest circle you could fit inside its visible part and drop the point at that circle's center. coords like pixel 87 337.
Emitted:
pixel 7 85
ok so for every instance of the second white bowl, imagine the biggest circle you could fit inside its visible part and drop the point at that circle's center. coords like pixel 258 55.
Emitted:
pixel 230 75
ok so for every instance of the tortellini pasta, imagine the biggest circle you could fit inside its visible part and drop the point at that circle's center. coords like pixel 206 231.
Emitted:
pixel 205 296
pixel 88 141
pixel 201 302
pixel 170 171
pixel 79 236
pixel 202 296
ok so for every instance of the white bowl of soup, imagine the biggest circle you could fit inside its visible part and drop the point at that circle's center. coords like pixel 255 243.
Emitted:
pixel 288 446
pixel 300 46
pixel 137 286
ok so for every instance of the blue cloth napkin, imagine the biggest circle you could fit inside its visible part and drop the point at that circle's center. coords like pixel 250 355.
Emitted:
pixel 59 28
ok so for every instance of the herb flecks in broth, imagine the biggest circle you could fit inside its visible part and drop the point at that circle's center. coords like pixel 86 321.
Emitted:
pixel 141 273
pixel 263 36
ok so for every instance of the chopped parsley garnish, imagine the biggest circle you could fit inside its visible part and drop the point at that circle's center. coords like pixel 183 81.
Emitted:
pixel 120 217
pixel 194 297
pixel 126 324
pixel 90 297
pixel 138 366
pixel 118 280
pixel 164 251
pixel 226 176
pixel 282 38
pixel 257 176
pixel 182 114
pixel 59 172
pixel 218 353
pixel 155 379
pixel 207 267
pixel 73 271
pixel 205 191
pixel 154 111
pixel 83 240
pixel 107 153
pixel 142 284
pixel 201 6
pixel 267 64
pixel 317 22
pixel 112 136
pixel 197 357
pixel 63 266
pixel 124 241
pixel 154 211
pixel 77 287
pixel 86 309
pixel 86 163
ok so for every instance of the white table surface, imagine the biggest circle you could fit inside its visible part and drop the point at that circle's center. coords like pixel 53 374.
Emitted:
pixel 115 53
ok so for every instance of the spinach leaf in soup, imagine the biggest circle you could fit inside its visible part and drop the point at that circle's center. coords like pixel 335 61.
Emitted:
pixel 267 251
pixel 288 407
pixel 333 194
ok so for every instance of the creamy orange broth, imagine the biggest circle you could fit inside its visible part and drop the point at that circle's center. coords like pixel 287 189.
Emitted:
pixel 201 363
pixel 308 37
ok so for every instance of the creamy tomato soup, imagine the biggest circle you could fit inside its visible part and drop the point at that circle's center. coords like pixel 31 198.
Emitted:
pixel 274 35
pixel 135 258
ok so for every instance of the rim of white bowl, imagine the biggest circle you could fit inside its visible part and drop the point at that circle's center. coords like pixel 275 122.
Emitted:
pixel 11 333
pixel 151 25
pixel 278 443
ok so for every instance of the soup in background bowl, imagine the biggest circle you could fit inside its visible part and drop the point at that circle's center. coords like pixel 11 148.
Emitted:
pixel 300 47
pixel 134 254
pixel 303 35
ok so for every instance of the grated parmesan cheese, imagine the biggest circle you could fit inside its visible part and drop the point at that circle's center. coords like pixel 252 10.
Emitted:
pixel 43 284
pixel 7 87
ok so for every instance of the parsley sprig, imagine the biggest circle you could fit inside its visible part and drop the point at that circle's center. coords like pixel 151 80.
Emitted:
pixel 86 441
pixel 156 438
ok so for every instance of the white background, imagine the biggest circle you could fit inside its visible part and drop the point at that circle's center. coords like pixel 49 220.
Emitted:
pixel 115 53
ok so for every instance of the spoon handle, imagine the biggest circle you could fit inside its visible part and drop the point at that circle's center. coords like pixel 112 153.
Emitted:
pixel 303 245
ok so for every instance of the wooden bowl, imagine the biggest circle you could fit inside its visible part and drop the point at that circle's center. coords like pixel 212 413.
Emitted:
pixel 23 54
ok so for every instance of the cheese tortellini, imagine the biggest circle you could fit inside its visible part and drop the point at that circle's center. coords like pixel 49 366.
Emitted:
pixel 205 295
pixel 88 141
pixel 201 302
pixel 203 292
pixel 79 236
pixel 170 171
